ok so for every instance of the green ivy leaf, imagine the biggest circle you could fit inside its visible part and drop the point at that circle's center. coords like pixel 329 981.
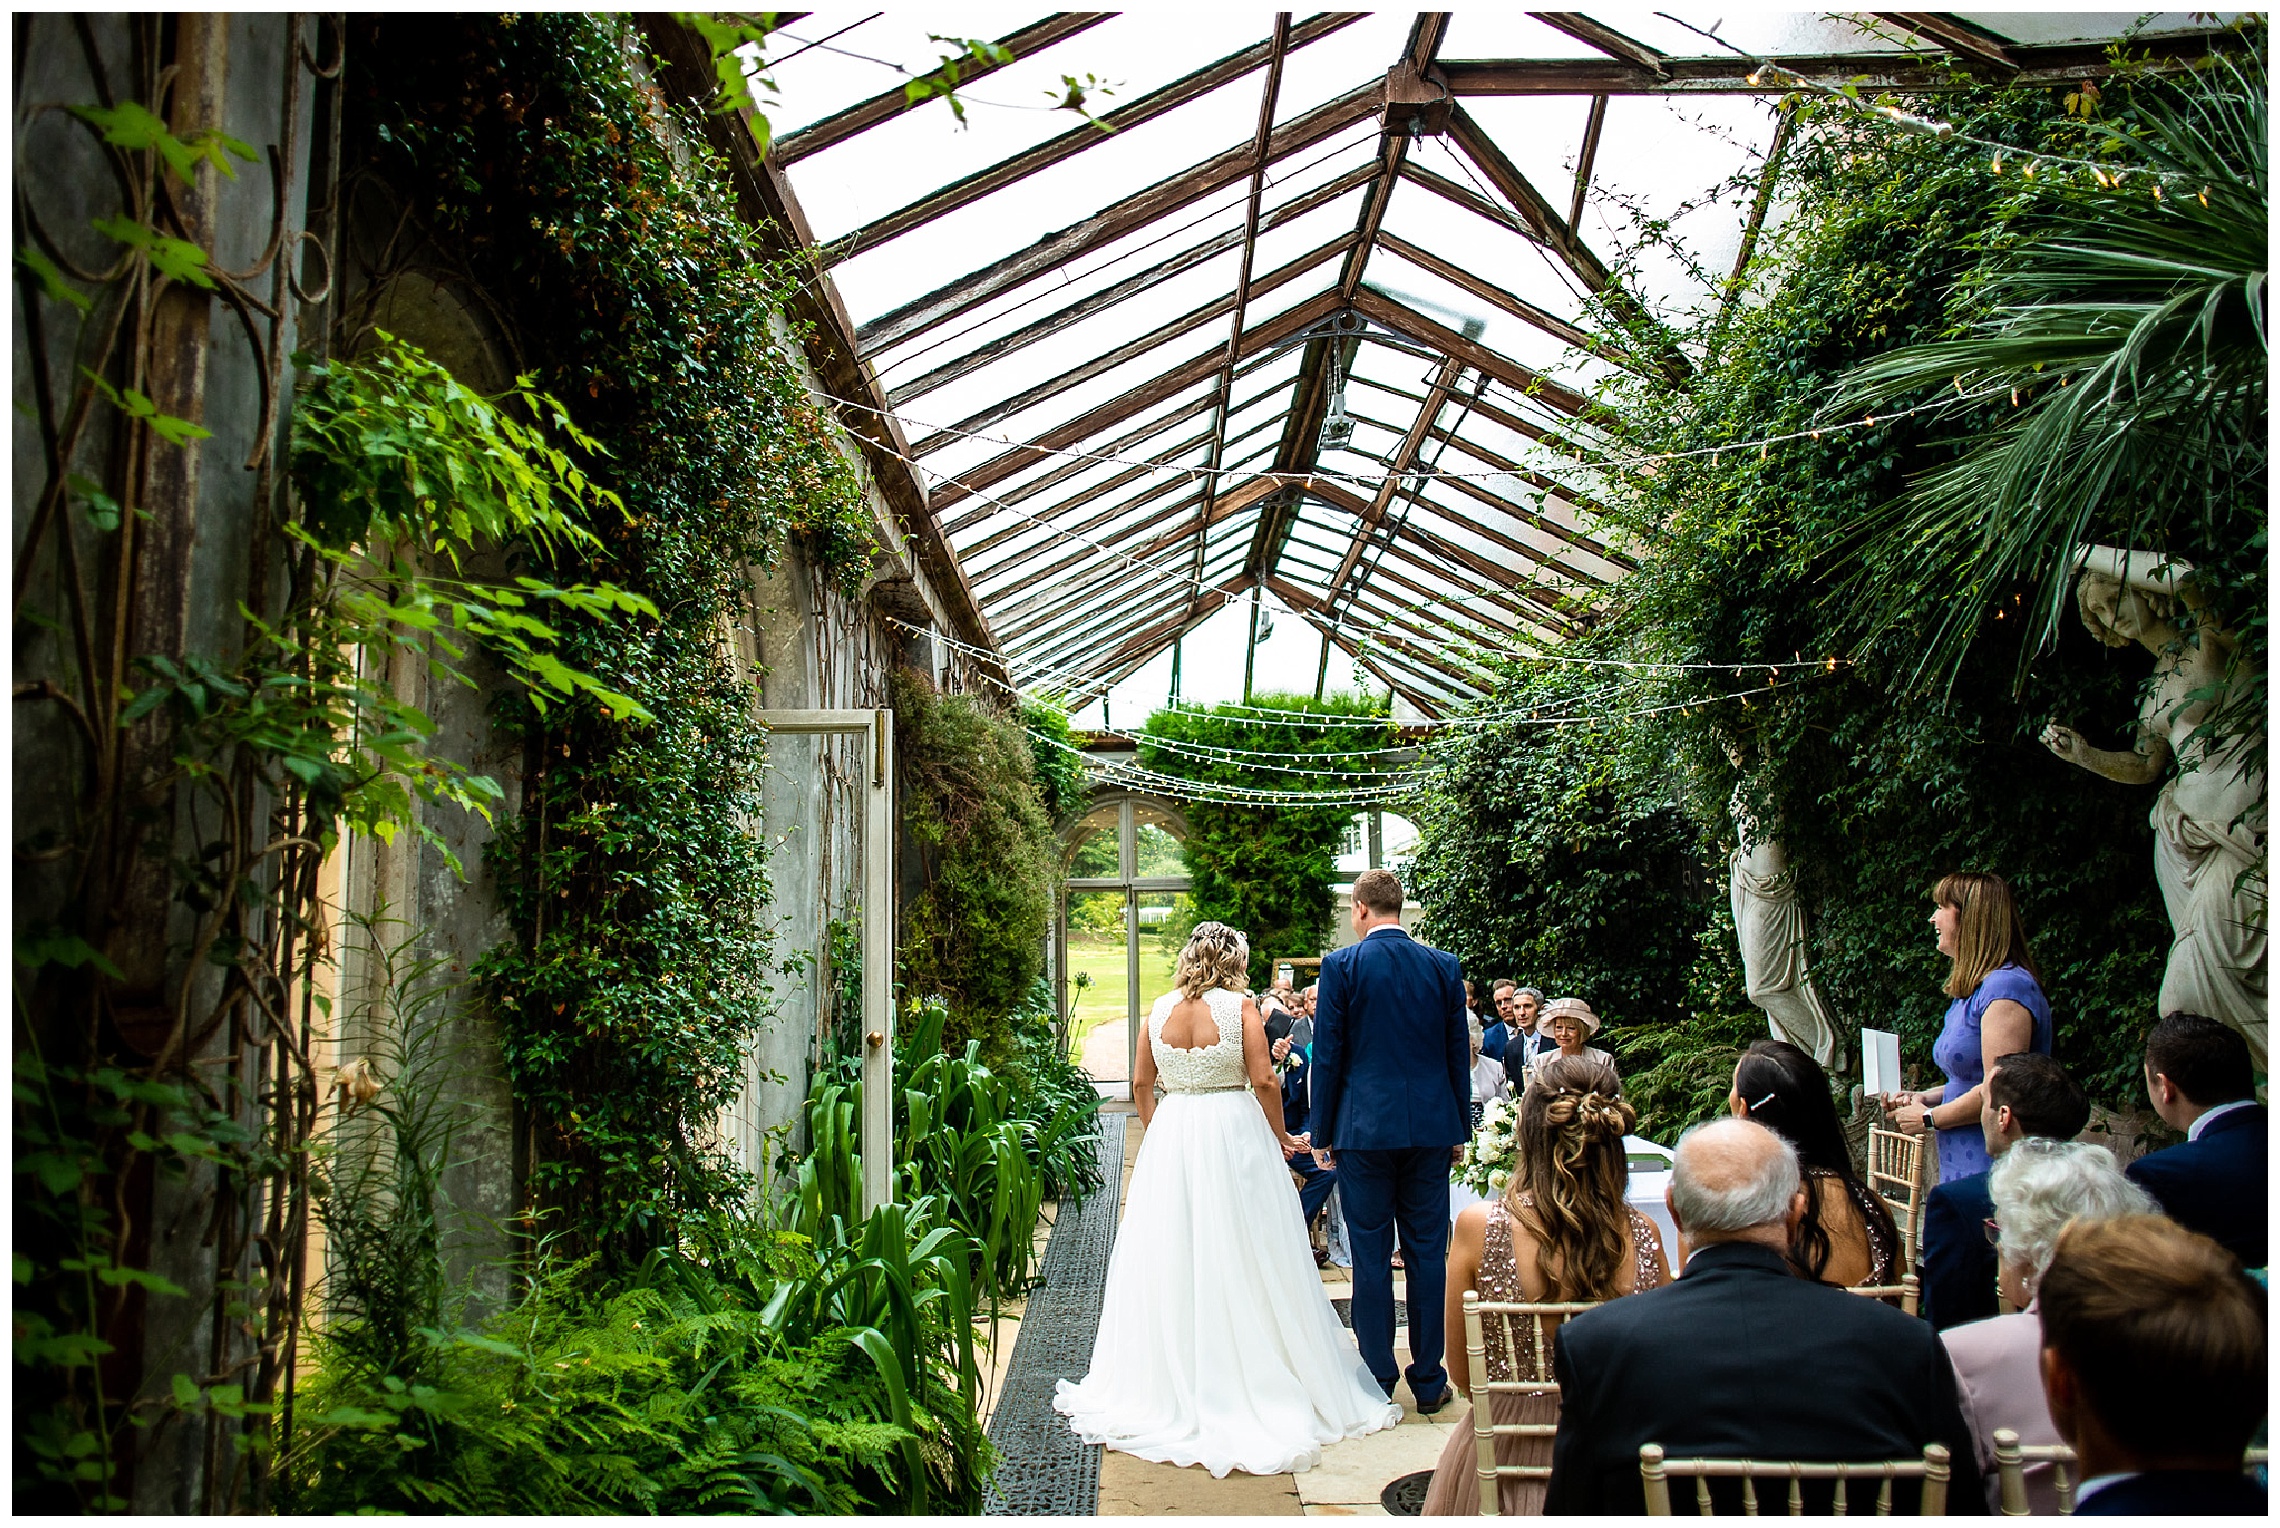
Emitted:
pixel 51 279
pixel 175 259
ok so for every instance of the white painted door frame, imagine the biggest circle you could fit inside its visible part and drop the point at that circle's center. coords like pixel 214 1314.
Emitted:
pixel 877 726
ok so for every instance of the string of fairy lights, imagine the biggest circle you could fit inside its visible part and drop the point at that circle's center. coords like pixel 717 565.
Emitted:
pixel 1355 786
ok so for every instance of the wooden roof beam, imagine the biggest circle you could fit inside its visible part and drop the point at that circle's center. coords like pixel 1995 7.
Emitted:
pixel 1972 43
pixel 1428 703
pixel 1419 657
pixel 1006 172
pixel 1870 70
pixel 1143 645
pixel 1553 232
pixel 1519 307
pixel 1030 40
pixel 1110 296
pixel 1606 39
pixel 1404 457
pixel 1410 324
pixel 1131 350
pixel 1592 127
pixel 1535 519
pixel 1166 384
pixel 982 570
pixel 1026 617
pixel 1240 305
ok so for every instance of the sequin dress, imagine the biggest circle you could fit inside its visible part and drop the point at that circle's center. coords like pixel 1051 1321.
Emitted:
pixel 1455 1491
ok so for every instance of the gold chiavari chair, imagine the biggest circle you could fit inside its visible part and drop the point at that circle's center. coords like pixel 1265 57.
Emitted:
pixel 1896 1173
pixel 1655 1474
pixel 1531 1367
pixel 1908 1294
pixel 2012 1458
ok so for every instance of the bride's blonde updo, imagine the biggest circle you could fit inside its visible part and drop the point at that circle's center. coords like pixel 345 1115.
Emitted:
pixel 1216 956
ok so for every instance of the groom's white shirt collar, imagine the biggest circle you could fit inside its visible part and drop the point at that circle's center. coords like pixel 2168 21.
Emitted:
pixel 1387 928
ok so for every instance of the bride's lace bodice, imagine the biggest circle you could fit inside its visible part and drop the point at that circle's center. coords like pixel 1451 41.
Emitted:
pixel 1213 1068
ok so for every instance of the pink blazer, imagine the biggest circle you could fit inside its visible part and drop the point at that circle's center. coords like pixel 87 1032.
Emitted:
pixel 1998 1373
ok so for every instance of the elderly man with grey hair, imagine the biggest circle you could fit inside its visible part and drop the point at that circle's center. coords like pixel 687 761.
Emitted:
pixel 1741 1358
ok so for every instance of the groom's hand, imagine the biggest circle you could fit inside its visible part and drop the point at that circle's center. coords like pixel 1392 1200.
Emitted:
pixel 1324 1158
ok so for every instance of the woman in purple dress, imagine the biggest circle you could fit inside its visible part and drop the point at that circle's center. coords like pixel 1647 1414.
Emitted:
pixel 1999 1010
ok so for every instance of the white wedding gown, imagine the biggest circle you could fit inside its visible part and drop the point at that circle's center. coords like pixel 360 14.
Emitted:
pixel 1217 1345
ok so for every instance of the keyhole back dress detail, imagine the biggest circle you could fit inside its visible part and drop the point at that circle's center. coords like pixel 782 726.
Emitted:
pixel 1217 1344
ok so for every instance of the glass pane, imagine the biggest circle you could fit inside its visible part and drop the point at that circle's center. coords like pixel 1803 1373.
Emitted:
pixel 1095 852
pixel 1166 919
pixel 1097 1007
pixel 1156 846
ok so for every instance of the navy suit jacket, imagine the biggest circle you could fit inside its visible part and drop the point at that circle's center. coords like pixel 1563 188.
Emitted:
pixel 2177 1493
pixel 2217 1184
pixel 1492 1040
pixel 1742 1359
pixel 1294 1094
pixel 1392 1056
pixel 1959 1265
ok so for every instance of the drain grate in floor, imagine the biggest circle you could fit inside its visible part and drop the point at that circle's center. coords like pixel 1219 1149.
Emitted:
pixel 1405 1497
pixel 1043 1471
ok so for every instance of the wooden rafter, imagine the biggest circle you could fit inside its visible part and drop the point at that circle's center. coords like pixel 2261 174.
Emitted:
pixel 1146 395
pixel 1429 701
pixel 1054 252
pixel 1508 578
pixel 1521 514
pixel 1279 44
pixel 1497 461
pixel 1131 350
pixel 1870 70
pixel 1030 487
pixel 1006 172
pixel 1032 39
pixel 1606 39
pixel 1054 528
pixel 1411 324
pixel 1586 158
pixel 1519 307
pixel 1159 634
pixel 1298 599
pixel 1026 614
pixel 1110 296
pixel 1404 457
pixel 1029 581
pixel 1960 37
pixel 1145 467
pixel 1553 232
pixel 1068 637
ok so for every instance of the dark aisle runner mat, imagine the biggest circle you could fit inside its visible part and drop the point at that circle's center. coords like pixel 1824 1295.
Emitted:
pixel 1043 1471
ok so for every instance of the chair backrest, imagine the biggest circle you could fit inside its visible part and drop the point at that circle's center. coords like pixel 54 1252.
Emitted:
pixel 1908 1294
pixel 1529 1363
pixel 1896 1172
pixel 2012 1458
pixel 1932 1469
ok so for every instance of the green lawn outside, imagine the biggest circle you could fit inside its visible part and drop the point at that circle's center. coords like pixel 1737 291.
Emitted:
pixel 1102 956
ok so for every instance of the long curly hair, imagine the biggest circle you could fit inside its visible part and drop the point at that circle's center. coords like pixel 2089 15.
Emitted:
pixel 1215 956
pixel 1573 1171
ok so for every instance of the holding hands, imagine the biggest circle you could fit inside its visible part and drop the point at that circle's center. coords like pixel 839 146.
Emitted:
pixel 1909 1113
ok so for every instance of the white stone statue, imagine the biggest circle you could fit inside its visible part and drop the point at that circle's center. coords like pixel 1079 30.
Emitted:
pixel 1770 928
pixel 2209 821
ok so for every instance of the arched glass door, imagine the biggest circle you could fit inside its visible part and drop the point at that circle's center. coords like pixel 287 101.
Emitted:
pixel 1125 914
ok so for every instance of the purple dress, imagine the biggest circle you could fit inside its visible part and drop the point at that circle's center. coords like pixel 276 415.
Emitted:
pixel 1963 1150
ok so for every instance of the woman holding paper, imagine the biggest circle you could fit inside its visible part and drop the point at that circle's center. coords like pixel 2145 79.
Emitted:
pixel 1998 1010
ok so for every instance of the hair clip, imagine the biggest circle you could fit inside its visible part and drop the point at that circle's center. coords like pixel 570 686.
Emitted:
pixel 1761 1103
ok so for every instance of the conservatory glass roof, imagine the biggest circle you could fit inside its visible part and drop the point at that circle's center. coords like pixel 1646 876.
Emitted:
pixel 1312 319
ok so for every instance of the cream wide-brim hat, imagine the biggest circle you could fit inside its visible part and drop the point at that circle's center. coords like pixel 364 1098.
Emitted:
pixel 1570 1008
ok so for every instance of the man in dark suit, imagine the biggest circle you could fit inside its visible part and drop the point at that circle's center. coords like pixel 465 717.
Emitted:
pixel 1741 1358
pixel 2153 1364
pixel 2027 1095
pixel 2202 1083
pixel 1392 1082
pixel 1317 1183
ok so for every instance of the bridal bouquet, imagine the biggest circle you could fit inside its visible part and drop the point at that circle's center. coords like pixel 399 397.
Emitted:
pixel 1493 1152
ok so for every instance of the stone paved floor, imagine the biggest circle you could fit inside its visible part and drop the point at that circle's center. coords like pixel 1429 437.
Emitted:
pixel 1345 1484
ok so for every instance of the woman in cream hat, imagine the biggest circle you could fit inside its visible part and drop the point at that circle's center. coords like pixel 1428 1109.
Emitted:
pixel 1570 1023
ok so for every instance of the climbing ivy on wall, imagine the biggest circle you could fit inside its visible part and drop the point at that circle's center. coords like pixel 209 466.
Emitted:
pixel 533 150
pixel 1268 870
pixel 987 858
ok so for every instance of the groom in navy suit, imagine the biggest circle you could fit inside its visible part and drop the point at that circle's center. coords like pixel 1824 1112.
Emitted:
pixel 1392 1079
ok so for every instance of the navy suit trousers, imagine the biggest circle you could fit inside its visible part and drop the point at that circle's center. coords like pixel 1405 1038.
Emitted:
pixel 1408 1186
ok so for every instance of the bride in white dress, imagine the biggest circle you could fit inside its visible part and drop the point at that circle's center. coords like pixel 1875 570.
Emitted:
pixel 1217 1345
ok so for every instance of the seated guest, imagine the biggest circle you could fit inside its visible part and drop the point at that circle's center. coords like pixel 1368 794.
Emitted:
pixel 1570 1024
pixel 2215 1183
pixel 1562 1233
pixel 1846 1236
pixel 1494 1035
pixel 2027 1095
pixel 2038 1186
pixel 1302 1031
pixel 1316 1181
pixel 1487 1077
pixel 1740 1358
pixel 2153 1364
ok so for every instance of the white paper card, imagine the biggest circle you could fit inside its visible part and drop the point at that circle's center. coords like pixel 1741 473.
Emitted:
pixel 1879 1062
